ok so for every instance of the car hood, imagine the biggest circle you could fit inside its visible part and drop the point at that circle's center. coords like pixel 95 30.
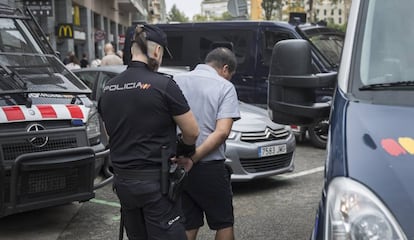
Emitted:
pixel 253 119
pixel 380 155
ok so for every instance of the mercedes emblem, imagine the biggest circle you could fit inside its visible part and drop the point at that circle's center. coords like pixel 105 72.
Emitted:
pixel 38 141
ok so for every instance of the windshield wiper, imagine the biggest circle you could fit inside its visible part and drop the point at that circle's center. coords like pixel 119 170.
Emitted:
pixel 14 81
pixel 380 86
pixel 18 81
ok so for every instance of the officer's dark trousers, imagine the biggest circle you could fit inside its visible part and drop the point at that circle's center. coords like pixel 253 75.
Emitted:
pixel 148 214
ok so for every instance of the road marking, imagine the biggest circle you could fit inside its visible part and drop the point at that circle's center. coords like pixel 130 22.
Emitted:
pixel 107 203
pixel 300 174
pixel 281 177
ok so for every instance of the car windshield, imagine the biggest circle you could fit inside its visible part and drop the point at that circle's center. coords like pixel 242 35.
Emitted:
pixel 15 37
pixel 37 73
pixel 25 68
pixel 387 52
pixel 330 45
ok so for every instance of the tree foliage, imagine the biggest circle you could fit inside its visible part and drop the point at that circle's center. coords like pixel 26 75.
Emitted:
pixel 175 15
pixel 200 18
pixel 269 6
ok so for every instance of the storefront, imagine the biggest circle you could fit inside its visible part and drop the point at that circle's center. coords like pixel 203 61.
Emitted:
pixel 84 26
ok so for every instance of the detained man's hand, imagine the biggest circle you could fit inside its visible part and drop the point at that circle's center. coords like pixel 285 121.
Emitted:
pixel 184 162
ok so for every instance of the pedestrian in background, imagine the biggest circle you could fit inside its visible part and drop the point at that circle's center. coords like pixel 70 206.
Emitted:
pixel 110 57
pixel 66 60
pixel 141 110
pixel 84 62
pixel 120 54
pixel 73 62
pixel 96 62
pixel 213 99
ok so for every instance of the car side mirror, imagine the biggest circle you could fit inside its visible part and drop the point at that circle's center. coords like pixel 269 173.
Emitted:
pixel 292 84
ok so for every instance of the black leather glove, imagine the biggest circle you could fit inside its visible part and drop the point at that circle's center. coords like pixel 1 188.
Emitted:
pixel 184 149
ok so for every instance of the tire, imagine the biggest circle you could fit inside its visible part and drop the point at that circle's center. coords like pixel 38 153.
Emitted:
pixel 318 133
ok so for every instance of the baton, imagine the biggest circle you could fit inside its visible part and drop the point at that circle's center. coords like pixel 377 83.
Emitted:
pixel 164 170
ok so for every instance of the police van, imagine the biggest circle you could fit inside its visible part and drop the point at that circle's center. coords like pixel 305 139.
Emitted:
pixel 368 187
pixel 50 149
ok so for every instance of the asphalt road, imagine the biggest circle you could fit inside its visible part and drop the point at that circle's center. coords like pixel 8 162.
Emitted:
pixel 280 207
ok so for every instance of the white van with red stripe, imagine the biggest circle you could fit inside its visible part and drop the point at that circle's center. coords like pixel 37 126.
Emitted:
pixel 50 133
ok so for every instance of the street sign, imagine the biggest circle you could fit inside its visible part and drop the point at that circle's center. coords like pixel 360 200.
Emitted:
pixel 99 35
pixel 237 8
pixel 40 7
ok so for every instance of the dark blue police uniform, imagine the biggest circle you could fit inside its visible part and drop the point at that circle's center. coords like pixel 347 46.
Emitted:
pixel 137 108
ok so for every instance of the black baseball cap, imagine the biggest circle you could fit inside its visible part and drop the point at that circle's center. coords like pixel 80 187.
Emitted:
pixel 157 35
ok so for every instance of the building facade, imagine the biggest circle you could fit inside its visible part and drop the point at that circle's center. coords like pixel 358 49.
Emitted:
pixel 215 8
pixel 325 10
pixel 322 10
pixel 85 26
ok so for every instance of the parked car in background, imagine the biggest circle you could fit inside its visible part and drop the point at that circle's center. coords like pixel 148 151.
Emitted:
pixel 255 148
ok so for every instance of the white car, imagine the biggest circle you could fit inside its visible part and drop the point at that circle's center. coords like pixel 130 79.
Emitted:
pixel 256 147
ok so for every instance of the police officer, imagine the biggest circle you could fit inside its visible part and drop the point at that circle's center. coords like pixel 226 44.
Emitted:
pixel 141 109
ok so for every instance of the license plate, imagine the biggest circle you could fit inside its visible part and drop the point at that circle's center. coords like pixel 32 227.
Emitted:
pixel 272 150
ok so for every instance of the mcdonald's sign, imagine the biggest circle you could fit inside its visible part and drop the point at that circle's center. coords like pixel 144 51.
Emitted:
pixel 65 30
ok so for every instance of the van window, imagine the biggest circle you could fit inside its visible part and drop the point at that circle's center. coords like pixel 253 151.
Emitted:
pixel 270 38
pixel 175 45
pixel 330 46
pixel 240 39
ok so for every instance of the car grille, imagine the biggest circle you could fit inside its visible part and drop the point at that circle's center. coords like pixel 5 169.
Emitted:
pixel 255 165
pixel 45 184
pixel 13 150
pixel 266 135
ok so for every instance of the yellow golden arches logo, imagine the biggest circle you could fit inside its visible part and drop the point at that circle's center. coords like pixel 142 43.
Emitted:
pixel 65 30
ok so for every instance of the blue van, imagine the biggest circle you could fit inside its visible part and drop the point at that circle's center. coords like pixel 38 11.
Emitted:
pixel 252 42
pixel 368 188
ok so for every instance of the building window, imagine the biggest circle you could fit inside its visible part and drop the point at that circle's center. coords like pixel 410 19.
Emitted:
pixel 332 12
pixel 324 12
pixel 340 11
pixel 340 20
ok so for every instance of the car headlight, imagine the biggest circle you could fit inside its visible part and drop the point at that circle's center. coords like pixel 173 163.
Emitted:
pixel 232 135
pixel 93 127
pixel 354 212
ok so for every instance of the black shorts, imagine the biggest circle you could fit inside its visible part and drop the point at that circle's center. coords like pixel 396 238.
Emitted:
pixel 208 191
pixel 147 213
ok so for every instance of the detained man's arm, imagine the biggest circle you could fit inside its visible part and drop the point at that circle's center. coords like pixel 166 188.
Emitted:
pixel 215 139
pixel 188 126
pixel 189 130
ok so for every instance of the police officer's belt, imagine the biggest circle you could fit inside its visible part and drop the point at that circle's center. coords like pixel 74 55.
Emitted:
pixel 143 175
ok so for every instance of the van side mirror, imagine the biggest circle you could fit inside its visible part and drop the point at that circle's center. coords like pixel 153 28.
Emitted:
pixel 292 84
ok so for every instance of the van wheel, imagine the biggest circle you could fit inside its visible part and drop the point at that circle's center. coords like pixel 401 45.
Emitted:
pixel 318 133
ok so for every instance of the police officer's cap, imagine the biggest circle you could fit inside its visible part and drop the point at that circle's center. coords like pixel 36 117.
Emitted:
pixel 157 35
